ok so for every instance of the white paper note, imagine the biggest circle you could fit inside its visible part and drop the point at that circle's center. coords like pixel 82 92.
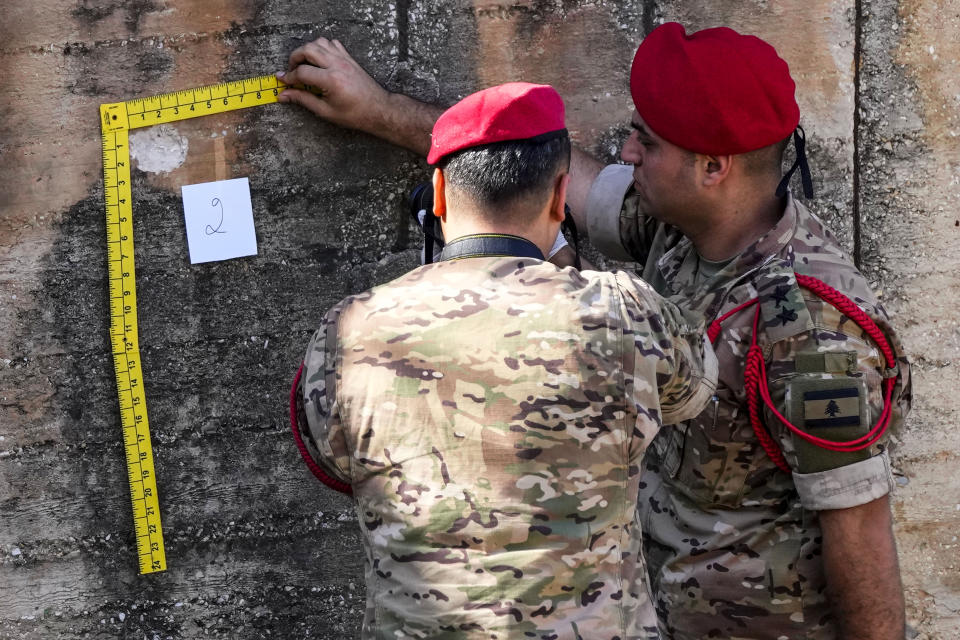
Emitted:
pixel 219 218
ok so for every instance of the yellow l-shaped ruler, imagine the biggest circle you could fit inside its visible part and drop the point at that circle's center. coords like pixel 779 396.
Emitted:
pixel 116 119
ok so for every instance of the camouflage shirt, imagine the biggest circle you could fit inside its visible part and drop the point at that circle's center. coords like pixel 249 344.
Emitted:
pixel 732 543
pixel 490 415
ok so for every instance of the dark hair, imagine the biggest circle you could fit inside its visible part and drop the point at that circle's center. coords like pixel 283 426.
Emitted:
pixel 499 175
pixel 767 160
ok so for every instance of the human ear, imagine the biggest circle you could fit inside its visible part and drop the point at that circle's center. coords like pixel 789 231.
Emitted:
pixel 439 197
pixel 559 197
pixel 716 169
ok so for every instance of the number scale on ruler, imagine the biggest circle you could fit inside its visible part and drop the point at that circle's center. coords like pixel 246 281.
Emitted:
pixel 116 119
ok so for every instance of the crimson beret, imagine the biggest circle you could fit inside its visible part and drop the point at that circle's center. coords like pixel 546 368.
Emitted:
pixel 714 91
pixel 512 111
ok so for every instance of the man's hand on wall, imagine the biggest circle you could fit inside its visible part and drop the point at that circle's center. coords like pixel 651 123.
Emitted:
pixel 349 97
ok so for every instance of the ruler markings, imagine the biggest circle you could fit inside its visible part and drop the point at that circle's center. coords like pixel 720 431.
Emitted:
pixel 116 119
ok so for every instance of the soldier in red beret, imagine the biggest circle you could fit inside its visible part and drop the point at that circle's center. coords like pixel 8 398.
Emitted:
pixel 489 412
pixel 767 516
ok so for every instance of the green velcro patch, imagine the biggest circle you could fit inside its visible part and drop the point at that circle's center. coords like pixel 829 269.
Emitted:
pixel 830 407
pixel 844 362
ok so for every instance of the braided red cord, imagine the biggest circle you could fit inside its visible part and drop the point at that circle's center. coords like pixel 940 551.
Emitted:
pixel 320 474
pixel 755 375
pixel 846 306
pixel 714 330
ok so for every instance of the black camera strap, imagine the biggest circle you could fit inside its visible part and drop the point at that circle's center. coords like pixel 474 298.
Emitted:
pixel 569 226
pixel 488 245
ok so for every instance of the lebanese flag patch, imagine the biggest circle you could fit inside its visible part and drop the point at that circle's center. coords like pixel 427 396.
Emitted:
pixel 837 407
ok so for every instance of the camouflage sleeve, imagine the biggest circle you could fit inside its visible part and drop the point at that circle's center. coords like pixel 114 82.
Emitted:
pixel 615 224
pixel 326 438
pixel 686 367
pixel 828 382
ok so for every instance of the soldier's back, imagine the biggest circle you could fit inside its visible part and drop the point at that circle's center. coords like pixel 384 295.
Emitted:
pixel 494 412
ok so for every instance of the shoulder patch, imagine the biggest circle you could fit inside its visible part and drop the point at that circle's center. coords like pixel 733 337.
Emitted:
pixel 830 407
pixel 839 407
pixel 843 362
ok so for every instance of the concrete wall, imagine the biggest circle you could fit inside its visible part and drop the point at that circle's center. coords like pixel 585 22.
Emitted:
pixel 255 546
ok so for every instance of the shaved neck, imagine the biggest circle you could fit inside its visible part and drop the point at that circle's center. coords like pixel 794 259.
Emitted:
pixel 535 218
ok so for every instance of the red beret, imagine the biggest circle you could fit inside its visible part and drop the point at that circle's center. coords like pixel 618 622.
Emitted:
pixel 513 111
pixel 714 91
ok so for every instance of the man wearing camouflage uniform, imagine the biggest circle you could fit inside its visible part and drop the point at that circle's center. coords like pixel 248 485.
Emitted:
pixel 736 547
pixel 489 412
pixel 743 542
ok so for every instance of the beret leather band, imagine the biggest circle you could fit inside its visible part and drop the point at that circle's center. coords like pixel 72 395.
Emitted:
pixel 543 137
pixel 546 137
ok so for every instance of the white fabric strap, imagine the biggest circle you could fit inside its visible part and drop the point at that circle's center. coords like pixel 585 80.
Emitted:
pixel 604 202
pixel 558 244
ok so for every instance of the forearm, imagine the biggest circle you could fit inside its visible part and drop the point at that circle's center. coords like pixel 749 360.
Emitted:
pixel 863 576
pixel 584 169
pixel 407 123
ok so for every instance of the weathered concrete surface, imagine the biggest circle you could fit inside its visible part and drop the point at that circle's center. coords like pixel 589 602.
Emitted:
pixel 256 548
pixel 910 130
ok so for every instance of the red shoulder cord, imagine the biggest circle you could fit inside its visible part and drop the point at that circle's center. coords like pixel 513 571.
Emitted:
pixel 755 375
pixel 321 475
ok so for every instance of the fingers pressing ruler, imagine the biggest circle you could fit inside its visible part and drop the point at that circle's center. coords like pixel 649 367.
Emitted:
pixel 116 119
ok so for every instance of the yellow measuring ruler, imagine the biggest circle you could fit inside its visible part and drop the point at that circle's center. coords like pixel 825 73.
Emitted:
pixel 116 119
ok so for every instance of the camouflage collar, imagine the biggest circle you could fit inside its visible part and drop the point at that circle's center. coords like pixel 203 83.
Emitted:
pixel 488 245
pixel 679 265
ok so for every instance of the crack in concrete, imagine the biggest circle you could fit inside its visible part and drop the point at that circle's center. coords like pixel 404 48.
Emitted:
pixel 298 30
pixel 403 30
pixel 857 64
pixel 649 15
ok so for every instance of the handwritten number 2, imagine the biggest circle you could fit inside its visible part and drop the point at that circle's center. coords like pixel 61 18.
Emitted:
pixel 210 230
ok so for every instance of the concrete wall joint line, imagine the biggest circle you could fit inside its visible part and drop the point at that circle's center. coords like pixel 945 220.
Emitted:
pixel 403 30
pixel 649 16
pixel 857 65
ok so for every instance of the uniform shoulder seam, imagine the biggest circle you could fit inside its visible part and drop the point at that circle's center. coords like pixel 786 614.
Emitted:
pixel 625 449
